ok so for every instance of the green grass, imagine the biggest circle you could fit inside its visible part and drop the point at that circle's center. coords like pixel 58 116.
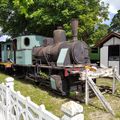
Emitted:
pixel 40 96
pixel 52 102
pixel 95 110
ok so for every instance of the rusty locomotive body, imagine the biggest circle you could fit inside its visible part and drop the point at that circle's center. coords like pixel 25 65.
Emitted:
pixel 77 51
pixel 55 63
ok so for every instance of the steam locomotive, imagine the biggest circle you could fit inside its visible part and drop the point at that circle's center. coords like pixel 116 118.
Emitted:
pixel 53 62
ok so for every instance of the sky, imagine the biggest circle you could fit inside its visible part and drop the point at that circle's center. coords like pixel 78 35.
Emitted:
pixel 114 6
pixel 4 38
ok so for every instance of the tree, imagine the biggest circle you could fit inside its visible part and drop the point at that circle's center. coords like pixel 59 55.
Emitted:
pixel 100 31
pixel 12 21
pixel 43 16
pixel 115 24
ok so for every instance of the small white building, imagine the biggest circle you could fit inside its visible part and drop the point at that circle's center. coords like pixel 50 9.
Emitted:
pixel 110 50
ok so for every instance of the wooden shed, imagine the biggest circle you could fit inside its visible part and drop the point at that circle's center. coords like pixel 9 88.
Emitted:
pixel 110 50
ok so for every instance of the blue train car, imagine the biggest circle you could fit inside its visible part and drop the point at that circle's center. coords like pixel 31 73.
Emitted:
pixel 6 51
pixel 6 54
pixel 19 50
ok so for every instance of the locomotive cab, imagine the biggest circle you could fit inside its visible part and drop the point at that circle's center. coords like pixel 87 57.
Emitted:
pixel 23 49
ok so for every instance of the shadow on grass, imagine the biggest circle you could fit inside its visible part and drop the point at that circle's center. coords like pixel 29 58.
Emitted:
pixel 116 95
pixel 41 87
pixel 97 107
pixel 106 89
pixel 22 79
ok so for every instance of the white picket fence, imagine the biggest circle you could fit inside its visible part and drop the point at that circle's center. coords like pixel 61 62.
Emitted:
pixel 14 106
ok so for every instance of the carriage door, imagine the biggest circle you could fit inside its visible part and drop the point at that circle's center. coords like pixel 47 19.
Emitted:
pixel 8 52
pixel 14 49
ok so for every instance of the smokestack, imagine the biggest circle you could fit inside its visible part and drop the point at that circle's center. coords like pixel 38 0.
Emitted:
pixel 74 25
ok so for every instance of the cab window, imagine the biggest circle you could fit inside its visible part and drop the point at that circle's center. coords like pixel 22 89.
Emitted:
pixel 26 41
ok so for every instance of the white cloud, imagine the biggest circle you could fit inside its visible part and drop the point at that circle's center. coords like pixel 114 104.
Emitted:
pixel 4 38
pixel 114 5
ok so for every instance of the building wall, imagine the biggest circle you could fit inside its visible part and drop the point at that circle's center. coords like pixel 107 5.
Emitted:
pixel 117 41
pixel 104 62
pixel 109 42
pixel 112 41
pixel 104 56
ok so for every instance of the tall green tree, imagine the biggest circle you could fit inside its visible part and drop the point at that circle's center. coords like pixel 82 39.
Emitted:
pixel 115 24
pixel 43 16
pixel 12 21
pixel 100 31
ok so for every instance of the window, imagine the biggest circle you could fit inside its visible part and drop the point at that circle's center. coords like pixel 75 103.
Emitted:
pixel 26 41
pixel 113 52
pixel 8 47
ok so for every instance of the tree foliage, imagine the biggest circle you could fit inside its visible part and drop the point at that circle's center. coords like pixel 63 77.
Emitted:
pixel 43 16
pixel 100 31
pixel 115 24
pixel 11 20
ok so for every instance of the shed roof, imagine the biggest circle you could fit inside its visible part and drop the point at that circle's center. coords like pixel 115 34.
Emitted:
pixel 106 38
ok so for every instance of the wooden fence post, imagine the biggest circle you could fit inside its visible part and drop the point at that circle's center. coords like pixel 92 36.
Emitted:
pixel 86 89
pixel 72 111
pixel 114 81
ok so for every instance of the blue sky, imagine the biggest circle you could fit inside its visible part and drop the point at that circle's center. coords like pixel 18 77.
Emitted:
pixel 114 6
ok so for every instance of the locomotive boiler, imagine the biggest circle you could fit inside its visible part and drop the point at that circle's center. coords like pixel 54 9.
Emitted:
pixel 50 52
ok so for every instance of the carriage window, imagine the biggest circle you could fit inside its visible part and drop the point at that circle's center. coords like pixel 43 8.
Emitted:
pixel 27 41
pixel 8 47
pixel 113 52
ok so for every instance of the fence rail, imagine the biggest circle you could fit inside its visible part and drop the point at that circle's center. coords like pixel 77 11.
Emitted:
pixel 14 106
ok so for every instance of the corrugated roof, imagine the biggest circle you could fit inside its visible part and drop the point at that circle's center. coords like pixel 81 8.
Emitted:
pixel 106 38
